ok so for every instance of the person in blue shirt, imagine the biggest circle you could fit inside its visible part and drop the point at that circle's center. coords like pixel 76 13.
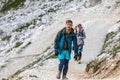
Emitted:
pixel 63 46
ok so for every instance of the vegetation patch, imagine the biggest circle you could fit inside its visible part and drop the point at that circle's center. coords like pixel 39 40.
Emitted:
pixel 9 50
pixel 111 46
pixel 107 42
pixel 15 46
pixel 116 49
pixel 22 48
pixel 51 10
pixel 19 78
pixel 46 49
pixel 95 65
pixel 26 67
pixel 118 21
pixel 22 27
pixel 4 79
pixel 40 59
pixel 6 38
pixel 18 44
pixel 25 26
pixel 12 4
pixel 51 56
pixel 33 76
pixel 71 0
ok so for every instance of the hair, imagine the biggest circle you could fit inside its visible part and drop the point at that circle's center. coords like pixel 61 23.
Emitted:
pixel 79 25
pixel 69 21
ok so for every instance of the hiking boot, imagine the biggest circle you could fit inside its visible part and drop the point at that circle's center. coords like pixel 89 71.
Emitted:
pixel 64 78
pixel 58 75
pixel 79 62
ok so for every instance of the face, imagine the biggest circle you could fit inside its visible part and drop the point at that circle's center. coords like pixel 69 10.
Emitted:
pixel 68 26
pixel 79 28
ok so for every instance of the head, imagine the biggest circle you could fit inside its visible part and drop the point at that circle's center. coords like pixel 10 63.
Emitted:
pixel 79 27
pixel 69 25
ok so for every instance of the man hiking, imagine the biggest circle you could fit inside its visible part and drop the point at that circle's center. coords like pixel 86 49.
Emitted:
pixel 80 34
pixel 63 47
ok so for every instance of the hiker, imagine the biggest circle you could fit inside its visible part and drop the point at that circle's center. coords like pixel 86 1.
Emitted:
pixel 63 44
pixel 80 34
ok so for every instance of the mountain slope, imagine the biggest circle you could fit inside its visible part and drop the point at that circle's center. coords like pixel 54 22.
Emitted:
pixel 99 24
pixel 28 33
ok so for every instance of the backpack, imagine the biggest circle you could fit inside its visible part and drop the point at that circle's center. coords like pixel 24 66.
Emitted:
pixel 80 33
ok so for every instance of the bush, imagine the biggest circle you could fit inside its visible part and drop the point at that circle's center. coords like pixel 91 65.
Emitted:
pixel 51 10
pixel 6 38
pixel 18 44
pixel 12 4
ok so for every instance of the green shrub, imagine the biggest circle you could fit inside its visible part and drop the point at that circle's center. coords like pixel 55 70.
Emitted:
pixel 6 38
pixel 25 26
pixel 9 50
pixel 27 44
pixel 33 76
pixel 18 44
pixel 51 10
pixel 12 4
pixel 71 0
pixel 22 48
pixel 4 79
pixel 52 56
pixel 22 27
pixel 95 64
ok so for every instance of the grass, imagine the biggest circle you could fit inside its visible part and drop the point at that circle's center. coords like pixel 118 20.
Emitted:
pixel 19 78
pixel 95 64
pixel 4 79
pixel 51 10
pixel 118 21
pixel 106 42
pixel 18 44
pixel 115 49
pixel 29 65
pixel 22 27
pixel 41 15
pixel 26 67
pixel 15 46
pixel 71 0
pixel 25 26
pixel 111 46
pixel 27 44
pixel 12 4
pixel 6 38
pixel 33 76
pixel 50 0
pixel 3 66
pixel 9 50
pixel 46 49
pixel 51 56
pixel 22 48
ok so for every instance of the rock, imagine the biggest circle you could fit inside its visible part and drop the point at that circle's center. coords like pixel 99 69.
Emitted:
pixel 1 31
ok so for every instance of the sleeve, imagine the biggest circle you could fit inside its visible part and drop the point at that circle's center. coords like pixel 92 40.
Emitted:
pixel 56 42
pixel 84 35
pixel 75 45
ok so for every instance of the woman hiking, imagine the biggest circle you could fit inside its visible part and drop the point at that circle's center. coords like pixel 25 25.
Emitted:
pixel 80 34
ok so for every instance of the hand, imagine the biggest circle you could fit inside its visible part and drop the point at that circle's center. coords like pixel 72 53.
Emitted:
pixel 81 37
pixel 75 57
pixel 56 53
